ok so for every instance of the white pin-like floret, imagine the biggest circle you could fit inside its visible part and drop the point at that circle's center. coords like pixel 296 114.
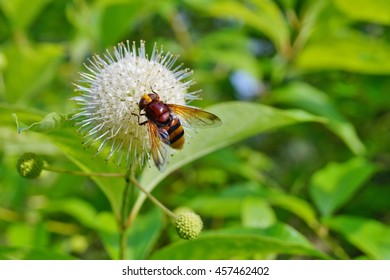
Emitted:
pixel 109 92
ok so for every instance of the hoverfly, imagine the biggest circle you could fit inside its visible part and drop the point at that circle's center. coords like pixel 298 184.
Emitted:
pixel 165 128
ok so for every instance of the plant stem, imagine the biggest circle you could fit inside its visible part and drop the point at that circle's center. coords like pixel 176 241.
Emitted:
pixel 81 173
pixel 152 198
pixel 338 251
pixel 180 30
pixel 126 198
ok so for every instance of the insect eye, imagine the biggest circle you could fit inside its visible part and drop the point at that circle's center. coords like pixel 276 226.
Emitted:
pixel 142 103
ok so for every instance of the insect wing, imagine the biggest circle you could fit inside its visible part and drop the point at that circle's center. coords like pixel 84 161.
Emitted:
pixel 159 140
pixel 195 117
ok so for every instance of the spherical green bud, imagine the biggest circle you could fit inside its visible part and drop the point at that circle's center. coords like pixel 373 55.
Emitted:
pixel 182 210
pixel 30 165
pixel 188 225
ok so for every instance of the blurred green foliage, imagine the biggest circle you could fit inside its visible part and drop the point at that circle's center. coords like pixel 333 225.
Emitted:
pixel 299 169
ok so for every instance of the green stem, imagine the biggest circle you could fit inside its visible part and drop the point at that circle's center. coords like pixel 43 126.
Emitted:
pixel 338 251
pixel 81 173
pixel 180 30
pixel 126 198
pixel 152 198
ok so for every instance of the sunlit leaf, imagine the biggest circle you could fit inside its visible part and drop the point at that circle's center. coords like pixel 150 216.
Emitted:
pixel 304 96
pixel 350 51
pixel 118 17
pixel 29 236
pixel 257 213
pixel 218 48
pixel 263 16
pixel 373 11
pixel 216 206
pixel 240 243
pixel 370 236
pixel 301 208
pixel 20 82
pixel 336 183
pixel 22 20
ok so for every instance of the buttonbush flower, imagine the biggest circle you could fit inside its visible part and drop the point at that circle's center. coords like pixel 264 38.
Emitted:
pixel 188 225
pixel 110 90
pixel 29 165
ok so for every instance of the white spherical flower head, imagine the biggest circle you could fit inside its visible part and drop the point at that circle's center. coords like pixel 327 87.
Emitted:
pixel 110 91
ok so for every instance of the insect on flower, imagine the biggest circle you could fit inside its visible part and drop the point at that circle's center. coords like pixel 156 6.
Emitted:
pixel 165 128
pixel 113 88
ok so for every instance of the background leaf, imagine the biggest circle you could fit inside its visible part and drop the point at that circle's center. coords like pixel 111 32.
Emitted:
pixel 240 243
pixel 335 184
pixel 376 11
pixel 257 213
pixel 350 51
pixel 141 237
pixel 43 58
pixel 263 16
pixel 370 236
pixel 7 253
pixel 306 97
pixel 144 233
pixel 30 11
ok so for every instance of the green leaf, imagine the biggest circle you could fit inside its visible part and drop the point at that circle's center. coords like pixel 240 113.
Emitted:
pixel 218 48
pixel 264 16
pixel 79 209
pixel 8 110
pixel 43 58
pixel 370 236
pixel 107 228
pixel 22 13
pixel 257 119
pixel 334 185
pixel 304 96
pixel 257 213
pixel 295 205
pixel 350 51
pixel 216 206
pixel 50 122
pixel 240 243
pixel 24 235
pixel 363 10
pixel 141 236
pixel 15 253
pixel 229 202
pixel 118 18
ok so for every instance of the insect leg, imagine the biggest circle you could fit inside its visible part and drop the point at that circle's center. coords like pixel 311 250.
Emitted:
pixel 138 116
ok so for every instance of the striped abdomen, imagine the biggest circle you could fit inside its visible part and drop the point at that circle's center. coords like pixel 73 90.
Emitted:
pixel 176 133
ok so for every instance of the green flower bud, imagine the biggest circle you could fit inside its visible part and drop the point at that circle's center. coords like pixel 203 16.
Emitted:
pixel 188 225
pixel 30 165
